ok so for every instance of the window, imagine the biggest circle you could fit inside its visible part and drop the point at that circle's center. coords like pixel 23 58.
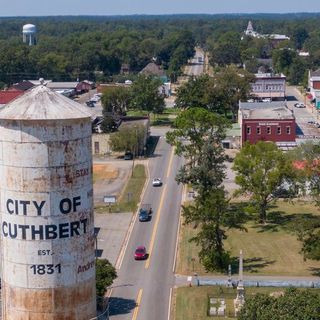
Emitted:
pixel 258 130
pixel 268 130
pixel 288 130
pixel 279 130
pixel 248 130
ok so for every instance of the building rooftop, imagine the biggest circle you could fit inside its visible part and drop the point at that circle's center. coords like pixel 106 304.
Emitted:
pixel 268 111
pixel 62 85
pixel 7 96
pixel 23 85
pixel 41 103
pixel 152 69
pixel 269 75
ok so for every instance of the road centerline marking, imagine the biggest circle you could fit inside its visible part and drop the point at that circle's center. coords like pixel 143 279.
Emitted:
pixel 136 308
pixel 155 228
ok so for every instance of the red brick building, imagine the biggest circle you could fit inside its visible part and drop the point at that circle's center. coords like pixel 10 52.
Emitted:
pixel 267 122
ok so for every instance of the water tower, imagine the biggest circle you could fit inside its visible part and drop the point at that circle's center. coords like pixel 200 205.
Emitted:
pixel 46 205
pixel 29 34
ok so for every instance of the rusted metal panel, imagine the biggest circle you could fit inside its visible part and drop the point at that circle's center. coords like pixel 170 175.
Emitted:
pixel 46 203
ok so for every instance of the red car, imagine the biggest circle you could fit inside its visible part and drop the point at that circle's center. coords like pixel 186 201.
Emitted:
pixel 140 253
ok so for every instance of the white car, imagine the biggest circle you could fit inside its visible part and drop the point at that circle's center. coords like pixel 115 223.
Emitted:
pixel 156 182
pixel 299 105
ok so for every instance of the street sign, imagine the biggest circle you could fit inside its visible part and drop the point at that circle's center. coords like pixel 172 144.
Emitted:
pixel 109 199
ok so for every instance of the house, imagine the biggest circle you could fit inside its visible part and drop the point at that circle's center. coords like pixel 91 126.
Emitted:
pixel 267 121
pixel 154 70
pixel 269 86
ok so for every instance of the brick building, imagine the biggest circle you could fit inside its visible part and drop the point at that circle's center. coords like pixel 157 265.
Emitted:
pixel 267 122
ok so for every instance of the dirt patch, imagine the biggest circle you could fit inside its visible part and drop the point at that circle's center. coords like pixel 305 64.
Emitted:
pixel 103 171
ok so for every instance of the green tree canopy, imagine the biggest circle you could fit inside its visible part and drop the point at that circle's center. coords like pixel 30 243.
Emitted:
pixel 146 96
pixel 197 136
pixel 105 274
pixel 128 138
pixel 294 304
pixel 116 100
pixel 261 169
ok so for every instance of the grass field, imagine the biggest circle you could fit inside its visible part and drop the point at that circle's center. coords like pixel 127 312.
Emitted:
pixel 271 249
pixel 191 303
pixel 166 118
pixel 130 196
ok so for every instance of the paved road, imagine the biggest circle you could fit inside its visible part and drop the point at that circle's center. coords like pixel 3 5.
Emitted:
pixel 195 68
pixel 142 289
pixel 303 115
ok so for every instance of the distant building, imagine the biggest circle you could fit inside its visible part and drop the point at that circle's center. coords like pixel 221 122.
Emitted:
pixel 22 86
pixel 314 83
pixel 274 38
pixel 269 86
pixel 29 34
pixel 154 70
pixel 261 121
pixel 250 32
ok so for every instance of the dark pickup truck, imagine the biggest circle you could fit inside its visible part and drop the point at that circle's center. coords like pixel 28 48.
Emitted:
pixel 145 213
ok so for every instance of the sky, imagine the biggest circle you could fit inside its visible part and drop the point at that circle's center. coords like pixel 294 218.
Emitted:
pixel 128 7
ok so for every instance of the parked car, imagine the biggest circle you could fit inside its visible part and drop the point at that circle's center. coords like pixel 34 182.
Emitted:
pixel 90 104
pixel 128 156
pixel 156 182
pixel 299 105
pixel 140 253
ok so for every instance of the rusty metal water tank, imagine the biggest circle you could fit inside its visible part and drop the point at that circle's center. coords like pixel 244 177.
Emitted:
pixel 47 227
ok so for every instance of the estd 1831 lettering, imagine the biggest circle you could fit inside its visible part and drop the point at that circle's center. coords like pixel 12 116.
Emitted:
pixel 42 269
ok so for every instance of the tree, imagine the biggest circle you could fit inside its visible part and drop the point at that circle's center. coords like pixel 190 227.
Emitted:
pixel 261 169
pixel 198 137
pixel 292 305
pixel 235 86
pixel 226 50
pixel 105 274
pixel 128 138
pixel 146 96
pixel 116 100
pixel 299 36
pixel 193 93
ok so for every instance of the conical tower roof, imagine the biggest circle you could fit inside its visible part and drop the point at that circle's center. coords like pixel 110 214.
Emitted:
pixel 41 103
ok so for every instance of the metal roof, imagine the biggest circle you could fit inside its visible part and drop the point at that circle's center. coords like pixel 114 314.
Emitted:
pixel 41 103
pixel 274 113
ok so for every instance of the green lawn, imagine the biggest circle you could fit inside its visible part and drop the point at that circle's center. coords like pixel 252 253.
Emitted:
pixel 271 249
pixel 166 118
pixel 130 197
pixel 192 303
